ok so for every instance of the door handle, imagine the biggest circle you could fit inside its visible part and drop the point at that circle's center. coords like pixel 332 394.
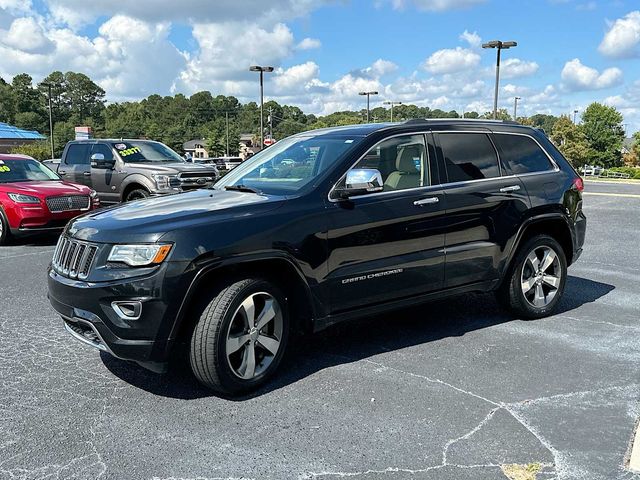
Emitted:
pixel 62 172
pixel 87 174
pixel 426 201
pixel 512 188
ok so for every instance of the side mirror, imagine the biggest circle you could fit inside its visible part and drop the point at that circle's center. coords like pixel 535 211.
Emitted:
pixel 360 181
pixel 98 161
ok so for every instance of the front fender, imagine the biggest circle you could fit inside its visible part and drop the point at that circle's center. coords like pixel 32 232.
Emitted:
pixel 139 179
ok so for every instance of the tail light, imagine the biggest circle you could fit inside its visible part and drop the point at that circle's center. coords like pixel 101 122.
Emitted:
pixel 578 184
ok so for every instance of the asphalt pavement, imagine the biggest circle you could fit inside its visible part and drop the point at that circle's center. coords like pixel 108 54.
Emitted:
pixel 455 389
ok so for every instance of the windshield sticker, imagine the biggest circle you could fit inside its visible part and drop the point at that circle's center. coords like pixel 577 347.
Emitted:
pixel 120 146
pixel 1 162
pixel 129 151
pixel 4 168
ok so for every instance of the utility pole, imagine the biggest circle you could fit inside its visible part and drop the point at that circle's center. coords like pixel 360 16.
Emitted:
pixel 270 123
pixel 50 120
pixel 515 108
pixel 391 103
pixel 499 45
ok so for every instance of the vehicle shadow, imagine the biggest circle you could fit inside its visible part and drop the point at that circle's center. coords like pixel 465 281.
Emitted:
pixel 42 240
pixel 360 339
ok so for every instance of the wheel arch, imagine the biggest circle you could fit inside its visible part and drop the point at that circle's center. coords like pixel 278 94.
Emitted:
pixel 554 225
pixel 279 269
pixel 134 182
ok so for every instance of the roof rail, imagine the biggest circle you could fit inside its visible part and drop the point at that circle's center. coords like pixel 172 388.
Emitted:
pixel 470 120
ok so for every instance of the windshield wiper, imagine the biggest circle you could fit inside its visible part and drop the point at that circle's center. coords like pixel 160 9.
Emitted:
pixel 242 188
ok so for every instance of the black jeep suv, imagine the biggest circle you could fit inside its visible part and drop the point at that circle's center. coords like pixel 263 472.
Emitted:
pixel 321 227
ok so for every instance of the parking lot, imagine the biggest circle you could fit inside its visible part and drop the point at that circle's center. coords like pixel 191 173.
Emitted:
pixel 455 389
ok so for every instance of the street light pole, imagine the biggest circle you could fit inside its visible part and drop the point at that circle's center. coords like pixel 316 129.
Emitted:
pixel 226 117
pixel 368 94
pixel 575 112
pixel 499 45
pixel 262 70
pixel 389 102
pixel 48 85
pixel 515 108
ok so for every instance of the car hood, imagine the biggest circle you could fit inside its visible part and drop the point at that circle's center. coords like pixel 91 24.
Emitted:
pixel 45 189
pixel 148 220
pixel 172 168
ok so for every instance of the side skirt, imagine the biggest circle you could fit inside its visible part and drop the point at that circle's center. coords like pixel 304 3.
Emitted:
pixel 377 309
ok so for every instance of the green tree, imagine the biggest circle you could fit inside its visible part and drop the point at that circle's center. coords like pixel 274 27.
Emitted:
pixel 7 102
pixel 85 98
pixel 571 141
pixel 60 103
pixel 603 130
pixel 543 121
pixel 38 150
pixel 503 114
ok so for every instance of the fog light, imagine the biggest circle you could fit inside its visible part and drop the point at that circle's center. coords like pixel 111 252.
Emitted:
pixel 127 310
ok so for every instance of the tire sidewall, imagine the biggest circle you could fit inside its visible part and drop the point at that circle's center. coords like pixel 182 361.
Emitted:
pixel 516 289
pixel 231 381
pixel 4 232
pixel 144 194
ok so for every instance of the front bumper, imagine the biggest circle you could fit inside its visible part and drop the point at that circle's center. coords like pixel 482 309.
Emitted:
pixel 37 219
pixel 87 311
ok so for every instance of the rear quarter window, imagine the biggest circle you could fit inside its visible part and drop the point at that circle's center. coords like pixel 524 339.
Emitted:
pixel 468 156
pixel 521 154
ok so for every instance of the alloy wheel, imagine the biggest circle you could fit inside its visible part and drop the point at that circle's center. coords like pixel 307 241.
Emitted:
pixel 541 276
pixel 254 335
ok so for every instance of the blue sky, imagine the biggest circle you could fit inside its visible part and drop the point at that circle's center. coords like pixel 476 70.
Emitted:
pixel 570 53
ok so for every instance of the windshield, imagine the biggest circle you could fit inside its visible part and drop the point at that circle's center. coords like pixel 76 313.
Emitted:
pixel 132 151
pixel 289 165
pixel 25 170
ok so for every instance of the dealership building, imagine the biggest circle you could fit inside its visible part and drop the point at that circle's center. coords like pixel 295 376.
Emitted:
pixel 11 137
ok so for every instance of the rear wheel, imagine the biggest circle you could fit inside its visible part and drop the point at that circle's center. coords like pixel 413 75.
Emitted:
pixel 241 337
pixel 536 279
pixel 5 233
pixel 137 194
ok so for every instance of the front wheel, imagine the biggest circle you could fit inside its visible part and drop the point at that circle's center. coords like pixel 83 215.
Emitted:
pixel 537 278
pixel 4 229
pixel 241 337
pixel 137 194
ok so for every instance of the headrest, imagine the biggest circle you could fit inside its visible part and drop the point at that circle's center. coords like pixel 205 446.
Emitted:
pixel 405 161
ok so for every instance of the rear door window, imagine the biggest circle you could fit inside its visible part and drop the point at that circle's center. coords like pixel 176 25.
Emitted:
pixel 521 154
pixel 468 156
pixel 77 154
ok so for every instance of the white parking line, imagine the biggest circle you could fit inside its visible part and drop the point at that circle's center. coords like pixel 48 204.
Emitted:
pixel 634 460
pixel 626 195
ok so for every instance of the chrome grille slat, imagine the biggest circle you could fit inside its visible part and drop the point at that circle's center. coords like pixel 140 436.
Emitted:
pixel 74 258
pixel 68 203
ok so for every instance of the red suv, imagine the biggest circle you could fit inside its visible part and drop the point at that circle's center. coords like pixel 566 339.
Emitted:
pixel 35 199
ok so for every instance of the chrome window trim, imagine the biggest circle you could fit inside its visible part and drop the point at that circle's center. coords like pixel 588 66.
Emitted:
pixel 445 185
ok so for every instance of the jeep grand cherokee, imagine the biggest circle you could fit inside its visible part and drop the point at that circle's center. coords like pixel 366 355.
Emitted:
pixel 321 227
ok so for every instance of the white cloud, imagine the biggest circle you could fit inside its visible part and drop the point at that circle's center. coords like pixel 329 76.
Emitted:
pixel 473 39
pixel 623 38
pixel 295 78
pixel 515 68
pixel 381 67
pixel 27 35
pixel 436 5
pixel 451 60
pixel 78 12
pixel 309 44
pixel 576 76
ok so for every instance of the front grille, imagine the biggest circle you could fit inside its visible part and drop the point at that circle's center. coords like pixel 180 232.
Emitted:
pixel 192 176
pixel 68 203
pixel 73 258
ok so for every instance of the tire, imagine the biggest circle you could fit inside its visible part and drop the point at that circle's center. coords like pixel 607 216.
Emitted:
pixel 137 194
pixel 544 288
pixel 5 233
pixel 223 325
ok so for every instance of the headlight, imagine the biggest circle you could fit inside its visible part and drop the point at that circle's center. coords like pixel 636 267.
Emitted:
pixel 139 255
pixel 166 182
pixel 19 198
